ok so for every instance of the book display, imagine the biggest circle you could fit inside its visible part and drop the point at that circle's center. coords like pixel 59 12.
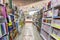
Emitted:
pixel 22 18
pixel 37 17
pixel 9 21
pixel 3 24
pixel 50 29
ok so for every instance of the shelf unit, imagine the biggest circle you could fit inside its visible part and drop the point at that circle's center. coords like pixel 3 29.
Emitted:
pixel 51 21
pixel 9 21
pixel 37 17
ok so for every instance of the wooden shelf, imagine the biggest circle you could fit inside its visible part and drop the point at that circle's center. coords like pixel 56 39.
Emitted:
pixel 55 36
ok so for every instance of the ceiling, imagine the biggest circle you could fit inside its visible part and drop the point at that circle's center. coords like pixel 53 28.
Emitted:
pixel 25 2
pixel 25 5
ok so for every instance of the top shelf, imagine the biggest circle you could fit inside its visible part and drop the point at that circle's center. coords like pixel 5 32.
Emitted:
pixel 55 36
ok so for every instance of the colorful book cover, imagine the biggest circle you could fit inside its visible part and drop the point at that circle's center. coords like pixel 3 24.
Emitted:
pixel 5 38
pixel 1 1
pixel 12 17
pixel 6 27
pixel 3 28
pixel 9 18
pixel 4 12
pixel 0 31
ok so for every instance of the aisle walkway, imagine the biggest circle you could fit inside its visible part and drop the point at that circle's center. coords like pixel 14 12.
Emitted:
pixel 29 32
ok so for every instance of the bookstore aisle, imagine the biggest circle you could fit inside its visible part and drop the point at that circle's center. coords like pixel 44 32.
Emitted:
pixel 45 17
pixel 29 32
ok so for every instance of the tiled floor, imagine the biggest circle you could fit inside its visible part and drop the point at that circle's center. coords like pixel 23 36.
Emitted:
pixel 29 32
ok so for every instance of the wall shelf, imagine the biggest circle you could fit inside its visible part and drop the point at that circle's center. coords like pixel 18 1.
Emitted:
pixel 51 20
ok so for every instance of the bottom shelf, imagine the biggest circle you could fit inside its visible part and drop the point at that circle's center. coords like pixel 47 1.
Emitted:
pixel 43 37
pixel 55 36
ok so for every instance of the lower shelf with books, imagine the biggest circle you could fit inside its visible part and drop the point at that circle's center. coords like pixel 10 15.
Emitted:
pixel 55 37
pixel 44 35
pixel 51 38
pixel 46 28
pixel 56 32
pixel 45 31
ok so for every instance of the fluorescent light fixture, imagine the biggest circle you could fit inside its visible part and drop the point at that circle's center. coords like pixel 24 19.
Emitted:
pixel 32 12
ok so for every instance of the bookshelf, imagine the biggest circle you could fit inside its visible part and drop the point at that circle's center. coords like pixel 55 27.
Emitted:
pixel 9 22
pixel 4 34
pixel 51 21
pixel 37 17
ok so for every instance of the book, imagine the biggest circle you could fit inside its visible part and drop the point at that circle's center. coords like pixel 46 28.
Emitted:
pixel 55 3
pixel 6 24
pixel 3 28
pixel 4 12
pixel 59 12
pixel 9 18
pixel 6 37
pixel 12 17
pixel 1 1
pixel 50 13
pixel 55 13
pixel 0 31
